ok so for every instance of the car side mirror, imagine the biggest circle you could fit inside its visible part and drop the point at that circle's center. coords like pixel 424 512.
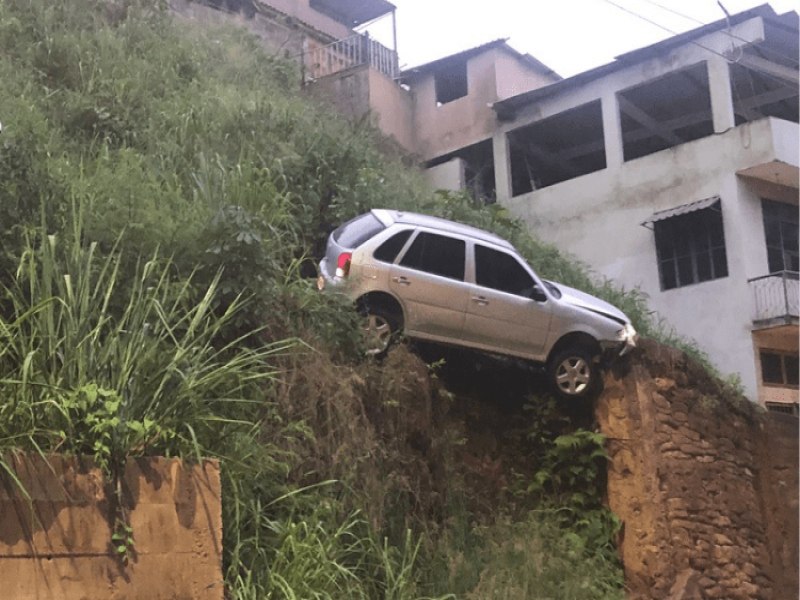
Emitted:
pixel 536 293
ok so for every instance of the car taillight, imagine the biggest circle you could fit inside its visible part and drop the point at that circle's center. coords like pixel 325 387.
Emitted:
pixel 343 264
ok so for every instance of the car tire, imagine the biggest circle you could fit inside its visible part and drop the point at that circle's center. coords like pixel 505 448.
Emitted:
pixel 379 328
pixel 573 373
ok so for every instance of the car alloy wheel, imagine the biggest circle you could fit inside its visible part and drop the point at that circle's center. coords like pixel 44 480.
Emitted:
pixel 573 375
pixel 377 331
pixel 573 372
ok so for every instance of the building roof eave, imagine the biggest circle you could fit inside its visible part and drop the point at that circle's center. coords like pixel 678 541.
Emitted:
pixel 500 43
pixel 353 13
pixel 507 108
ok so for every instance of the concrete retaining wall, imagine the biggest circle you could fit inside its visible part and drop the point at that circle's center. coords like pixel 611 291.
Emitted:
pixel 57 544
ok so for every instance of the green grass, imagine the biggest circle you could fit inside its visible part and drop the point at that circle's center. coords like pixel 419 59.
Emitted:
pixel 527 559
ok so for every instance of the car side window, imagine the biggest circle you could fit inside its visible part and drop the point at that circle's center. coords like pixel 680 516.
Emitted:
pixel 437 254
pixel 389 249
pixel 501 271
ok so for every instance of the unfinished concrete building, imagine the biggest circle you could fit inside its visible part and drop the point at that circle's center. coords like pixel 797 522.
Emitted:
pixel 453 122
pixel 674 170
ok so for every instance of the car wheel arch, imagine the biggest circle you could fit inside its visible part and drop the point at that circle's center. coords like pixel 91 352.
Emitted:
pixel 384 300
pixel 574 339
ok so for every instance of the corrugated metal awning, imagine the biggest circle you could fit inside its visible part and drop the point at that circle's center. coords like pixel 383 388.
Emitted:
pixel 353 12
pixel 681 210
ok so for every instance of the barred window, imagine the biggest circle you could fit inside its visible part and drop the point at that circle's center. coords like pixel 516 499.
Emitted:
pixel 780 407
pixel 691 248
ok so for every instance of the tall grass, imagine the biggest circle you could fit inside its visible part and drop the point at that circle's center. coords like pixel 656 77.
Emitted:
pixel 156 351
pixel 524 559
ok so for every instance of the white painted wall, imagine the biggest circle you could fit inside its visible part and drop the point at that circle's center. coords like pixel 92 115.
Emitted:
pixel 749 32
pixel 597 218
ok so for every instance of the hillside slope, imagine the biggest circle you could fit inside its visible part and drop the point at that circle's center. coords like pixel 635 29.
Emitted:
pixel 161 186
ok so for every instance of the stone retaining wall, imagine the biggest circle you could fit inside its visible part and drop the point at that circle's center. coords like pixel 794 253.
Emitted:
pixel 706 486
pixel 57 544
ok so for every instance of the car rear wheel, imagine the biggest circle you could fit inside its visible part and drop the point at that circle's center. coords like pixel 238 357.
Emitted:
pixel 379 329
pixel 573 373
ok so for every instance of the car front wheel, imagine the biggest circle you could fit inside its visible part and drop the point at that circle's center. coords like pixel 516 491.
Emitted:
pixel 573 373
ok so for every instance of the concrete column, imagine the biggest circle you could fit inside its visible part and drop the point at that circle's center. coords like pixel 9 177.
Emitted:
pixel 502 166
pixel 719 86
pixel 612 130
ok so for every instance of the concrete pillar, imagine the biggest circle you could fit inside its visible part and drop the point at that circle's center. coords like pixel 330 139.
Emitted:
pixel 612 130
pixel 719 86
pixel 502 166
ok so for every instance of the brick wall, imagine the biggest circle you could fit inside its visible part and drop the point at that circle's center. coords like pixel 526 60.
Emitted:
pixel 57 544
pixel 706 485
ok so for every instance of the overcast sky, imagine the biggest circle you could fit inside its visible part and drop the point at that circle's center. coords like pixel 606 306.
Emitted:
pixel 569 36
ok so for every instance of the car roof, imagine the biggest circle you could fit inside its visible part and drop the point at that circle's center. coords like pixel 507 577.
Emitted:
pixel 388 217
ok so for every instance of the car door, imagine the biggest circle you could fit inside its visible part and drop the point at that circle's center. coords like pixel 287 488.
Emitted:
pixel 507 311
pixel 429 280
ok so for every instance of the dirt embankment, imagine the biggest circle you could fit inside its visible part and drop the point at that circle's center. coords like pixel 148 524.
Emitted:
pixel 412 434
pixel 705 483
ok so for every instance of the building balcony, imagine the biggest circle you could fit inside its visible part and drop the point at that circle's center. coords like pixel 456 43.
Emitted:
pixel 353 51
pixel 776 299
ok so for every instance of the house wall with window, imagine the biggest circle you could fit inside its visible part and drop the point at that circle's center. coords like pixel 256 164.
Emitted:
pixel 450 105
pixel 453 96
pixel 660 183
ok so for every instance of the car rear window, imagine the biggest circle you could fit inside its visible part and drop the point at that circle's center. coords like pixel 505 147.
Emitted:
pixel 389 249
pixel 357 231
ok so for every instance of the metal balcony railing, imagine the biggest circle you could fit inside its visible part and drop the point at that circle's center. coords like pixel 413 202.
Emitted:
pixel 776 297
pixel 350 52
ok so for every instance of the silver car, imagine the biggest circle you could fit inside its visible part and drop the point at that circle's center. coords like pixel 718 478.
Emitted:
pixel 442 281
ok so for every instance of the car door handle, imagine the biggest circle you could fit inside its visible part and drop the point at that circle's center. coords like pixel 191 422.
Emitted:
pixel 480 300
pixel 401 280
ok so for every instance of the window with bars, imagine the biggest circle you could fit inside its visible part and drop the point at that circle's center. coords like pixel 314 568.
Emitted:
pixel 780 407
pixel 780 233
pixel 691 248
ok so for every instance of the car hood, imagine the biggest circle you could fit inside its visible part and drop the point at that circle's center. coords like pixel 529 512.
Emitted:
pixel 587 301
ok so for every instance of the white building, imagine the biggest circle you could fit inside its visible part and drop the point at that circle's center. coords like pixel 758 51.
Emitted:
pixel 674 170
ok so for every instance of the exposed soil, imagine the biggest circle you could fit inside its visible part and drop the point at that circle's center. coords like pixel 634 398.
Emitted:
pixel 426 426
